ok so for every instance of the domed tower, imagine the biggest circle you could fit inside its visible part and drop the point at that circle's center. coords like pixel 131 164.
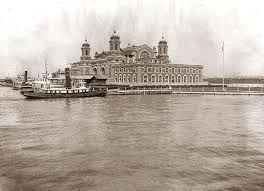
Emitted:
pixel 86 49
pixel 163 48
pixel 154 51
pixel 114 42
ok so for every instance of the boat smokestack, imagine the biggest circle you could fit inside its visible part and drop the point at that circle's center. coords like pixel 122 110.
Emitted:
pixel 26 76
pixel 68 78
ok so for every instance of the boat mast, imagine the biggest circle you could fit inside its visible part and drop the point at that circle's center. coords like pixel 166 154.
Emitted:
pixel 46 70
pixel 223 60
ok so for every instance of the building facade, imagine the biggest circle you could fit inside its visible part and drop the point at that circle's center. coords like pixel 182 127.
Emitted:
pixel 135 65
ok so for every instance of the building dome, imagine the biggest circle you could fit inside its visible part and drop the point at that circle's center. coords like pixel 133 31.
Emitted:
pixel 114 42
pixel 162 40
pixel 85 44
pixel 114 36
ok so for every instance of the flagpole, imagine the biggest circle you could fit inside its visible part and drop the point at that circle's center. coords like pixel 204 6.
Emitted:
pixel 223 62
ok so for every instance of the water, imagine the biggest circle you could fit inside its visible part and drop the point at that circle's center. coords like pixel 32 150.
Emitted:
pixel 131 143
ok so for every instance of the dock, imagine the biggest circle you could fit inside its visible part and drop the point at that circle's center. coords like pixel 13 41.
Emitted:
pixel 139 92
pixel 190 90
pixel 221 93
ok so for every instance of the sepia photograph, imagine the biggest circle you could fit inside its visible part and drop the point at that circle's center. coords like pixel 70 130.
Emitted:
pixel 131 95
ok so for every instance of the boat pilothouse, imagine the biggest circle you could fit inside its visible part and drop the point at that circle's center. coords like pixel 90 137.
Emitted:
pixel 48 89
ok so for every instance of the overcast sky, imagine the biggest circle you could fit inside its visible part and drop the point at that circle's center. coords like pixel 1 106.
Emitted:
pixel 194 29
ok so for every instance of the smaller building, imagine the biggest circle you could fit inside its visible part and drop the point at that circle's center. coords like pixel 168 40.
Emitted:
pixel 58 78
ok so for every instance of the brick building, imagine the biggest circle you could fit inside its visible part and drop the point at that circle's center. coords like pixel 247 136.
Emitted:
pixel 135 65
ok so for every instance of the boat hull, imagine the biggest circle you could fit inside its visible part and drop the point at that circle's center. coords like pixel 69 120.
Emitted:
pixel 41 95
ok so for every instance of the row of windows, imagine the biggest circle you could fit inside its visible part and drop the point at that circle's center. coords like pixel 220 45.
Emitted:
pixel 171 70
pixel 158 78
pixel 126 78
pixel 87 71
pixel 171 79
pixel 125 69
pixel 160 70
pixel 95 71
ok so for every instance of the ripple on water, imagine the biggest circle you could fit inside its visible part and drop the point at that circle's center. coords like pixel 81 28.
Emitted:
pixel 150 142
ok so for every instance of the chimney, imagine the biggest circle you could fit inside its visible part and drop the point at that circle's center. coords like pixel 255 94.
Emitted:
pixel 68 78
pixel 26 77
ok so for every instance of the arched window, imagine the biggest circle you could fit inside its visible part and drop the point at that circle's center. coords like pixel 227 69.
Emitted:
pixel 167 79
pixel 94 71
pixel 115 46
pixel 144 54
pixel 86 52
pixel 197 79
pixel 191 79
pixel 120 78
pixel 124 78
pixel 160 78
pixel 129 78
pixel 172 79
pixel 179 79
pixel 134 78
pixel 145 78
pixel 185 79
pixel 116 78
pixel 102 71
pixel 153 78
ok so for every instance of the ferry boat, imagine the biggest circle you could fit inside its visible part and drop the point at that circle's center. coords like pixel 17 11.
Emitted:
pixel 64 93
pixel 45 89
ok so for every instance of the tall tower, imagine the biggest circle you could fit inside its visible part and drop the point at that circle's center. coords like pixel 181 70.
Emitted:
pixel 86 49
pixel 163 48
pixel 114 42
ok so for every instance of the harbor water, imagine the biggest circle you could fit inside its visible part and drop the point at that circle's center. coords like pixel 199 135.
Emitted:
pixel 131 143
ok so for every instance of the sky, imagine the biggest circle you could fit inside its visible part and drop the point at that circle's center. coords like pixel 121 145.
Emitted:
pixel 32 30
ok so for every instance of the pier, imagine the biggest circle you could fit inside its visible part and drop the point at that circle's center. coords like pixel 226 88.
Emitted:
pixel 191 90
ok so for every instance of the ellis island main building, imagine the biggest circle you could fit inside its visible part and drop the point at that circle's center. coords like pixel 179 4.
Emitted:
pixel 135 65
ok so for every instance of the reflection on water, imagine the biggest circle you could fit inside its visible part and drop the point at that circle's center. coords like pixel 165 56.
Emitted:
pixel 152 142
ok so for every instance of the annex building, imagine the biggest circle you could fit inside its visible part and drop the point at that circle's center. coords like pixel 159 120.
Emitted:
pixel 134 65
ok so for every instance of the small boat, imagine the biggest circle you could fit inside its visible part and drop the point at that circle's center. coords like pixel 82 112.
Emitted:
pixel 22 81
pixel 16 85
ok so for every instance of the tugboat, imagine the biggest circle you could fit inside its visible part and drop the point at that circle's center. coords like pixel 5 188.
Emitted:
pixel 46 91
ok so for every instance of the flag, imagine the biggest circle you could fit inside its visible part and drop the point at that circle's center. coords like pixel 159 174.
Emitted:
pixel 223 47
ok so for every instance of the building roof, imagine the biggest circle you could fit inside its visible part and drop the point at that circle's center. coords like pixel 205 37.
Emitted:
pixel 88 77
